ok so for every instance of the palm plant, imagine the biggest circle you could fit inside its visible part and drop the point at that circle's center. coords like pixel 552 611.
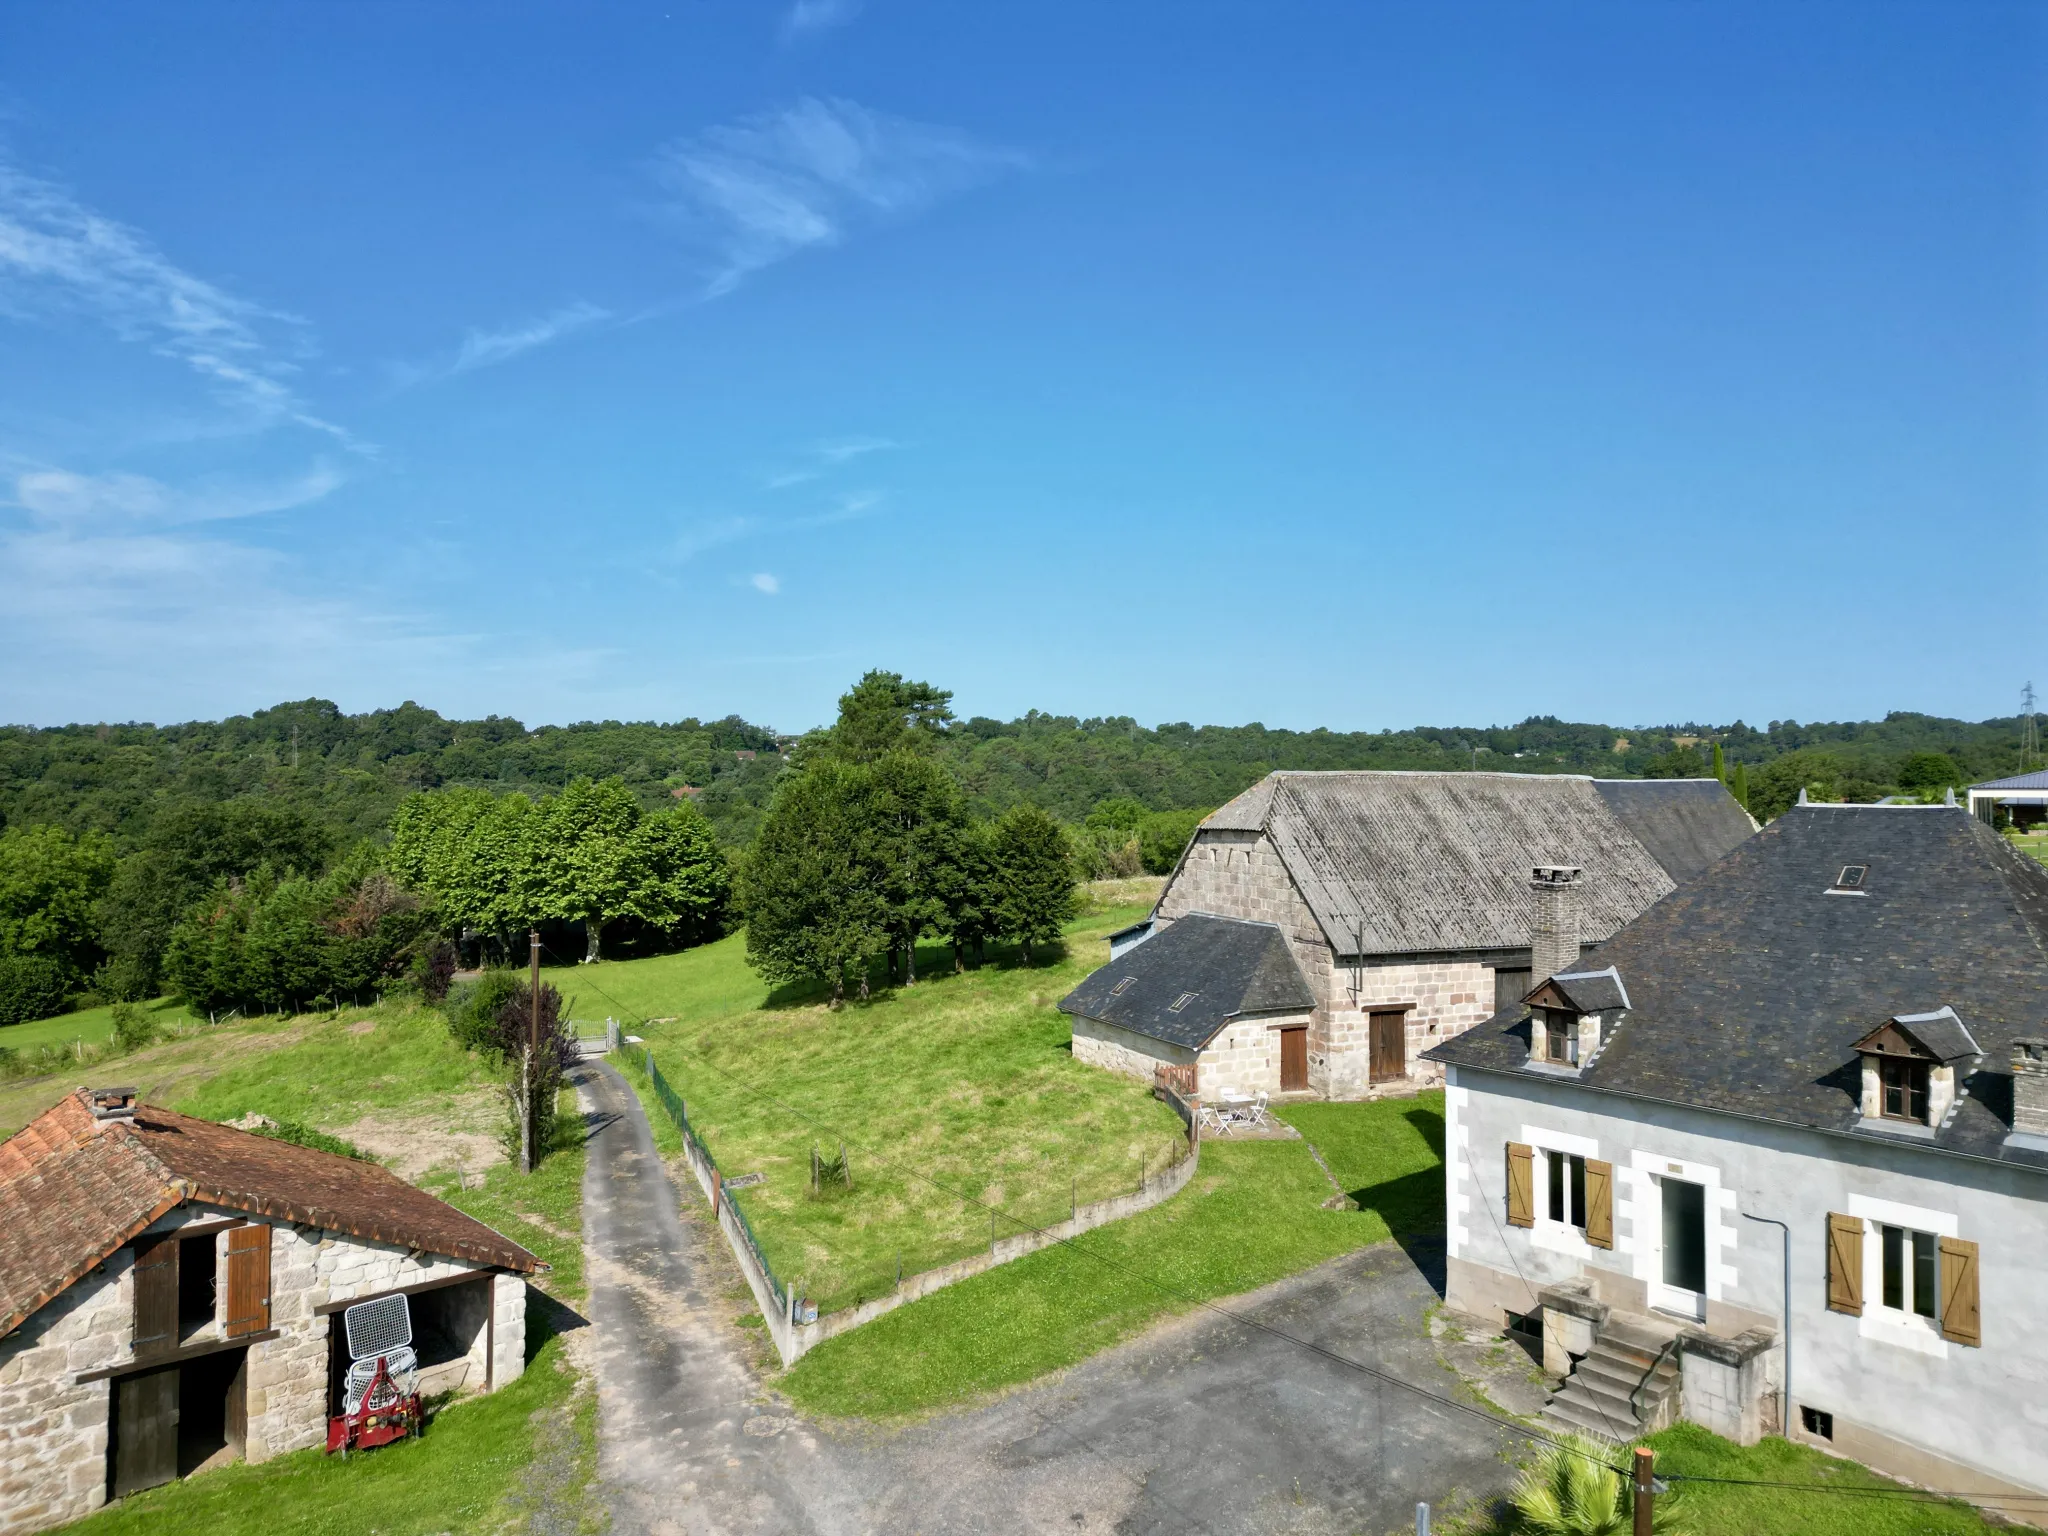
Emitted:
pixel 1576 1488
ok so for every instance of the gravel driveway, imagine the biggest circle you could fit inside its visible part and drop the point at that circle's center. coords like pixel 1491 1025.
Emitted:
pixel 1202 1425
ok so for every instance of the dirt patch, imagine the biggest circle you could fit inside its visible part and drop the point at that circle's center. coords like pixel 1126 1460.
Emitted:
pixel 461 1131
pixel 362 1026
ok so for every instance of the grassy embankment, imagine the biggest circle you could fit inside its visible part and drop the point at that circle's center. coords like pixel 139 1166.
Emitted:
pixel 969 1080
pixel 483 1462
pixel 952 1096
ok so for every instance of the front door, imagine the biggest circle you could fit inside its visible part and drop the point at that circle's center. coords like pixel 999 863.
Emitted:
pixel 1389 1046
pixel 145 1440
pixel 1683 1264
pixel 1294 1059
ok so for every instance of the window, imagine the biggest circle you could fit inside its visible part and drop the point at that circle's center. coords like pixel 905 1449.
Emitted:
pixel 1817 1421
pixel 1118 989
pixel 1910 1270
pixel 1181 1002
pixel 1567 1188
pixel 1904 1085
pixel 1851 878
pixel 1561 1037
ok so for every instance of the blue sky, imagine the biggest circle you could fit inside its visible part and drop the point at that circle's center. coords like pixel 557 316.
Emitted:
pixel 1357 365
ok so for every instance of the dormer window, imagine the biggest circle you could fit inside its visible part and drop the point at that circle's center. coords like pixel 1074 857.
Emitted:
pixel 1902 1089
pixel 1913 1069
pixel 1851 877
pixel 1569 1015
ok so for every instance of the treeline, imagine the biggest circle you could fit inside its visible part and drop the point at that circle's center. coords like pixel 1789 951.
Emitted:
pixel 868 847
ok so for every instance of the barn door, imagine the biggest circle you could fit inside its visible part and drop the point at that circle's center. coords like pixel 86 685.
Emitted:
pixel 248 1279
pixel 1389 1046
pixel 145 1448
pixel 1294 1059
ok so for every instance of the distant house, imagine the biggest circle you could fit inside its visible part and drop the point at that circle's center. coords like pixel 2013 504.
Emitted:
pixel 171 1291
pixel 1213 1006
pixel 1413 903
pixel 685 792
pixel 2023 797
pixel 1775 1156
pixel 744 756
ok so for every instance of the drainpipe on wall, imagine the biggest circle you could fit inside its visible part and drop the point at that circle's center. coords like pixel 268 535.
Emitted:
pixel 1784 1323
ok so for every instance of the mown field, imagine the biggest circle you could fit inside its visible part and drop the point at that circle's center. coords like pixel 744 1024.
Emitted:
pixel 951 1096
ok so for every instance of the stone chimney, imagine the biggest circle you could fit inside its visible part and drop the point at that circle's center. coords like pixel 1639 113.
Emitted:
pixel 2030 1088
pixel 110 1105
pixel 1554 945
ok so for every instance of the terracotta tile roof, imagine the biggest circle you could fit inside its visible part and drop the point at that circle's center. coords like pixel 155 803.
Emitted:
pixel 73 1189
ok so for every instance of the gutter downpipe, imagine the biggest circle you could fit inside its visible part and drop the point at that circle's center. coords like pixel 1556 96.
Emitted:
pixel 1785 1323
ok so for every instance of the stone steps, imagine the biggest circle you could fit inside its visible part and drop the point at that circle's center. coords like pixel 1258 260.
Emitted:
pixel 1599 1397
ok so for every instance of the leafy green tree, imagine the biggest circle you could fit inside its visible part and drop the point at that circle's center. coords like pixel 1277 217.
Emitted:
pixel 1740 787
pixel 1775 788
pixel 1720 765
pixel 1678 763
pixel 1925 771
pixel 50 882
pixel 1119 813
pixel 911 813
pixel 964 881
pixel 882 713
pixel 812 893
pixel 594 858
pixel 1034 877
pixel 1163 836
pixel 31 987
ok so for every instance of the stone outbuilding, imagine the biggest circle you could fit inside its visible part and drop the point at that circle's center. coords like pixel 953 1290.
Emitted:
pixel 1212 1006
pixel 171 1294
pixel 1418 904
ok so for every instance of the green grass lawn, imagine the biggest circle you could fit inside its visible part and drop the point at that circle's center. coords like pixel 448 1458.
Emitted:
pixel 1855 1500
pixel 1252 1215
pixel 92 1025
pixel 960 1089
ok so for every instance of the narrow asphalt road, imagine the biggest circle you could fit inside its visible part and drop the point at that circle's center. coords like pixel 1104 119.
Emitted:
pixel 1202 1425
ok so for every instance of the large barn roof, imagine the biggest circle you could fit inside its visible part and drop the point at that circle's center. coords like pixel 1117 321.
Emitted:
pixel 1409 863
pixel 74 1188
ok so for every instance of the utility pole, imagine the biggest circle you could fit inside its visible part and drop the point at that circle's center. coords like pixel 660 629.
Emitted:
pixel 529 1118
pixel 1646 1489
pixel 2030 733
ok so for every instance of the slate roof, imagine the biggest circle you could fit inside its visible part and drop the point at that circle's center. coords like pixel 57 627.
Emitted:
pixel 2017 781
pixel 1403 863
pixel 73 1189
pixel 1941 1034
pixel 1592 991
pixel 1231 967
pixel 1751 985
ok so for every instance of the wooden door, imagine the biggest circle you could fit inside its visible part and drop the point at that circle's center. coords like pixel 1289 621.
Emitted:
pixel 1294 1059
pixel 248 1280
pixel 145 1448
pixel 156 1294
pixel 1389 1046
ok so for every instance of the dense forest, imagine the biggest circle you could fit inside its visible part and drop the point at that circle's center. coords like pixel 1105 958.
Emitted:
pixel 298 853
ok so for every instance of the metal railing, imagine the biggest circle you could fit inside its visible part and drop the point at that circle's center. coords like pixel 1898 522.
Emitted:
pixel 678 1113
pixel 1635 1398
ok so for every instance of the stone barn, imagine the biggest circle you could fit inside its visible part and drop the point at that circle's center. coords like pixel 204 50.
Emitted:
pixel 1417 905
pixel 1212 1006
pixel 172 1294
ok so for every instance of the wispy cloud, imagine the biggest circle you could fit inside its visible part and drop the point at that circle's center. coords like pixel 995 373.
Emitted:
pixel 485 349
pixel 855 504
pixel 761 581
pixel 772 185
pixel 828 454
pixel 807 18
pixel 692 542
pixel 59 257
pixel 63 497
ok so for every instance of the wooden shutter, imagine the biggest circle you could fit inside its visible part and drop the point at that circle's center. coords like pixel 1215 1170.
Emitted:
pixel 1599 1203
pixel 1845 1263
pixel 1521 1185
pixel 156 1294
pixel 248 1279
pixel 1959 1315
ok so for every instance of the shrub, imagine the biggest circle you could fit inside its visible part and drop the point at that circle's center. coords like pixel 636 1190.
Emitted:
pixel 305 1136
pixel 473 1008
pixel 1162 836
pixel 557 1054
pixel 435 971
pixel 133 1029
pixel 31 987
pixel 1574 1488
pixel 126 979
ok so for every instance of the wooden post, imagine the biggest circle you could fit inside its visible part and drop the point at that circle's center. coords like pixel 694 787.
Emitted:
pixel 1646 1492
pixel 845 1168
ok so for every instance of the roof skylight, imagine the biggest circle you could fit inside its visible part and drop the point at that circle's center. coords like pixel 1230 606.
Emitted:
pixel 1181 1002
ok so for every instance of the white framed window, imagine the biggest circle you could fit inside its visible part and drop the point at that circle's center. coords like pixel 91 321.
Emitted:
pixel 1909 1270
pixel 1566 1197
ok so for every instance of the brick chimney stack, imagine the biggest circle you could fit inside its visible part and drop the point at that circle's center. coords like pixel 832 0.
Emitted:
pixel 2030 1087
pixel 1555 943
pixel 110 1106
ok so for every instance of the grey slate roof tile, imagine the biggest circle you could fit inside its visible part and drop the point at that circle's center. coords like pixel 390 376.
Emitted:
pixel 1751 985
pixel 1231 967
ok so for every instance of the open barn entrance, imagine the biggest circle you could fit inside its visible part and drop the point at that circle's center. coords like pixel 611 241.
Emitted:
pixel 451 1333
pixel 177 1420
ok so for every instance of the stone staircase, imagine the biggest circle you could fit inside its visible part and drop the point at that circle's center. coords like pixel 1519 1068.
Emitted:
pixel 1599 1398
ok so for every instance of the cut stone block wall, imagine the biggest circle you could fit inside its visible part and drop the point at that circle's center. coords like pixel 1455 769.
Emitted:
pixel 1244 1058
pixel 53 1428
pixel 1122 1050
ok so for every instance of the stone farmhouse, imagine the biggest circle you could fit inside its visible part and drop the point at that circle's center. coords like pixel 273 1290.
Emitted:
pixel 171 1291
pixel 1776 1154
pixel 1413 905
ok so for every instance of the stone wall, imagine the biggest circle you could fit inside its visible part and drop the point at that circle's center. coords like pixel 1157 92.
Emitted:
pixel 1244 1058
pixel 53 1428
pixel 1122 1050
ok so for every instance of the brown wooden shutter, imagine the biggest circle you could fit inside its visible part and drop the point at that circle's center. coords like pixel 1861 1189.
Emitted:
pixel 156 1293
pixel 1959 1316
pixel 1599 1203
pixel 1521 1185
pixel 1845 1263
pixel 248 1279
